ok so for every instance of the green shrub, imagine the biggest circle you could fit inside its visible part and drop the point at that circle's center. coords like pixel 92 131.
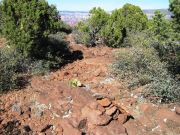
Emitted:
pixel 166 42
pixel 54 51
pixel 65 28
pixel 175 9
pixel 39 67
pixel 81 34
pixel 168 49
pixel 82 38
pixel 16 69
pixel 91 30
pixel 13 69
pixel 113 28
pixel 75 83
pixel 142 67
pixel 122 21
pixel 26 22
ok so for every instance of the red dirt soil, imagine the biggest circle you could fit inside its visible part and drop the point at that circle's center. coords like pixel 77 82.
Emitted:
pixel 103 106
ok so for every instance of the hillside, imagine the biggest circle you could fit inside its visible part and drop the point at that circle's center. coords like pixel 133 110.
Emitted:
pixel 101 105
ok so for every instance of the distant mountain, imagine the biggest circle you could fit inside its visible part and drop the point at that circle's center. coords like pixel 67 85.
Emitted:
pixel 73 17
pixel 164 11
pixel 150 13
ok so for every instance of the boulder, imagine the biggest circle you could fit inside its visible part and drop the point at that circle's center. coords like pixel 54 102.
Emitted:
pixel 111 111
pixel 122 118
pixel 95 117
pixel 104 102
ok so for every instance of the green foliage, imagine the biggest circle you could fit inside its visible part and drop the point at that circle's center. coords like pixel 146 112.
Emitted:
pixel 135 19
pixel 26 22
pixel 166 42
pixel 65 28
pixel 144 38
pixel 91 30
pixel 128 19
pixel 148 62
pixel 82 38
pixel 97 21
pixel 161 27
pixel 12 69
pixel 82 34
pixel 75 83
pixel 114 31
pixel 82 27
pixel 142 67
pixel 16 69
pixel 113 28
pixel 53 51
pixel 175 9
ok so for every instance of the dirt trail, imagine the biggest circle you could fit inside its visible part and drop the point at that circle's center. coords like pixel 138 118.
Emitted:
pixel 103 106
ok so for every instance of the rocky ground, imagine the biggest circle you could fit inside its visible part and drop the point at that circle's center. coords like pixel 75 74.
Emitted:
pixel 101 106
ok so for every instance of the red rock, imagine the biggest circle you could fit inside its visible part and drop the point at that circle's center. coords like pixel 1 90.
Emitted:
pixel 111 111
pixel 103 120
pixel 115 116
pixel 100 108
pixel 93 105
pixel 104 102
pixel 69 129
pixel 133 127
pixel 99 131
pixel 97 73
pixel 166 113
pixel 59 129
pixel 66 73
pixel 146 121
pixel 122 118
pixel 143 107
pixel 86 111
pixel 114 128
pixel 95 117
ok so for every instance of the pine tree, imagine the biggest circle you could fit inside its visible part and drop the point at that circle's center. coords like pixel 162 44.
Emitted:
pixel 26 22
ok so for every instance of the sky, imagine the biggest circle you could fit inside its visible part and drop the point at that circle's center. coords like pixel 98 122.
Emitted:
pixel 108 5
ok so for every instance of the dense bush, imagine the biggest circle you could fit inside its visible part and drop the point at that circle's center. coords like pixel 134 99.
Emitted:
pixel 82 38
pixel 12 69
pixel 26 22
pixel 113 28
pixel 34 44
pixel 175 9
pixel 53 51
pixel 142 67
pixel 16 69
pixel 81 34
pixel 162 38
pixel 96 23
pixel 65 27
pixel 152 55
pixel 91 30
pixel 166 41
pixel 122 21
pixel 114 31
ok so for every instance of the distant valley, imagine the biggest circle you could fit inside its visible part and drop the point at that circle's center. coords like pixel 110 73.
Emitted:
pixel 73 17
